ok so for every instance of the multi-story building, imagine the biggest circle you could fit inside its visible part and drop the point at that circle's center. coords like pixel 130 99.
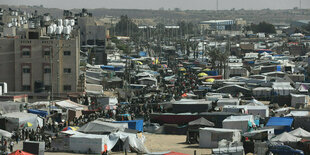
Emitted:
pixel 36 63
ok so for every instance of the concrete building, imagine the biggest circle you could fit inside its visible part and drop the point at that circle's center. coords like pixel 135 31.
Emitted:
pixel 38 64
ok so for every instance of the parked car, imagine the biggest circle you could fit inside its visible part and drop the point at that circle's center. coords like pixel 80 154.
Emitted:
pixel 284 150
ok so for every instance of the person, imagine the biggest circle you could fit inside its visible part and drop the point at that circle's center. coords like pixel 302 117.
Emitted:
pixel 11 146
pixel 105 151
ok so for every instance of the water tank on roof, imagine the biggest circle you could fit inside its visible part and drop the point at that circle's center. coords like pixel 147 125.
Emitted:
pixel 21 22
pixel 14 24
pixel 66 22
pixel 46 18
pixel 67 30
pixel 20 18
pixel 59 30
pixel 16 13
pixel 59 22
pixel 31 25
pixel 72 22
pixel 50 30
pixel 10 24
pixel 12 13
pixel 24 18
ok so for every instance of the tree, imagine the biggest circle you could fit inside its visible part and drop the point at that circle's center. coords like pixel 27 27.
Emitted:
pixel 218 59
pixel 262 27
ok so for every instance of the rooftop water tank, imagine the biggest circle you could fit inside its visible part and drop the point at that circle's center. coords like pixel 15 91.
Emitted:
pixel 59 22
pixel 59 30
pixel 72 22
pixel 50 30
pixel 66 22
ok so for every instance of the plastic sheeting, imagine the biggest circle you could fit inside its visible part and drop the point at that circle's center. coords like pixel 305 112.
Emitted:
pixel 98 126
pixel 67 104
pixel 82 143
pixel 15 120
pixel 9 107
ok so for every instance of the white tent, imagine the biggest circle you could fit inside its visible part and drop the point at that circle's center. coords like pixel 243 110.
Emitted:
pixel 5 134
pixel 67 104
pixel 299 132
pixel 209 137
pixel 238 122
pixel 285 137
pixel 82 143
pixel 17 119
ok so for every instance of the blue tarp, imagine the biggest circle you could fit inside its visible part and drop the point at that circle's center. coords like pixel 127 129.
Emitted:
pixel 284 122
pixel 127 57
pixel 133 124
pixel 264 50
pixel 251 62
pixel 112 68
pixel 278 68
pixel 142 54
pixel 212 73
pixel 38 112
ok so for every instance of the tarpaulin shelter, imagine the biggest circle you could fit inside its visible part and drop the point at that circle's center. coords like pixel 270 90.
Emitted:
pixel 67 104
pixel 38 112
pixel 209 137
pixel 20 152
pixel 133 124
pixel 5 133
pixel 142 54
pixel 299 132
pixel 285 137
pixel 9 107
pixel 234 90
pixel 82 143
pixel 284 122
pixel 201 122
pixel 111 68
pixel 101 127
pixel 242 123
pixel 17 119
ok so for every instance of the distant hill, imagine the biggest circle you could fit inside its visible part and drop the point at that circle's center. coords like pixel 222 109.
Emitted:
pixel 172 16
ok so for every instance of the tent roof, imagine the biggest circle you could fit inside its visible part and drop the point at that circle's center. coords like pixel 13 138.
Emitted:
pixel 219 130
pixel 280 121
pixel 299 132
pixel 5 133
pixel 20 152
pixel 285 137
pixel 98 126
pixel 201 121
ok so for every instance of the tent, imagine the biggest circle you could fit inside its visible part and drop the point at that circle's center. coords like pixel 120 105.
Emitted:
pixel 242 123
pixel 285 137
pixel 201 122
pixel 38 112
pixel 5 133
pixel 17 119
pixel 133 124
pixel 99 126
pixel 20 152
pixel 67 104
pixel 209 137
pixel 284 122
pixel 82 143
pixel 299 132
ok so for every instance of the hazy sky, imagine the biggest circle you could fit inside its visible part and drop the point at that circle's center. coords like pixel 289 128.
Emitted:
pixel 155 4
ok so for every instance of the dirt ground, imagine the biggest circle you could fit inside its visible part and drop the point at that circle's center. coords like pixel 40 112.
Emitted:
pixel 154 143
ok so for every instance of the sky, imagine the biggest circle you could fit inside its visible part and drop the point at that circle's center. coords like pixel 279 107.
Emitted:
pixel 156 4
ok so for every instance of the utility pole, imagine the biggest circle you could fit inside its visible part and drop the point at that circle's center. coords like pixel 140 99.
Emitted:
pixel 299 4
pixel 217 5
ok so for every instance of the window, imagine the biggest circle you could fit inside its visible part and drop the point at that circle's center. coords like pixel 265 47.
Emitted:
pixel 67 70
pixel 26 88
pixel 47 53
pixel 26 70
pixel 67 87
pixel 67 53
pixel 26 53
pixel 47 70
pixel 47 87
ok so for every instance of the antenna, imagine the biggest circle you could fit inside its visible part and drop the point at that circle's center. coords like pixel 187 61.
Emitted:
pixel 299 4
pixel 217 5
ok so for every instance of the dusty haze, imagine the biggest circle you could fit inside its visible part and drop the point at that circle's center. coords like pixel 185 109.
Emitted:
pixel 156 4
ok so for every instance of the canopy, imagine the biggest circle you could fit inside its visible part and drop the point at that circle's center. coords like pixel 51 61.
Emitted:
pixel 182 69
pixel 5 133
pixel 70 128
pixel 285 137
pixel 299 132
pixel 20 152
pixel 202 74
pixel 99 126
pixel 27 124
pixel 38 112
pixel 201 121
pixel 210 80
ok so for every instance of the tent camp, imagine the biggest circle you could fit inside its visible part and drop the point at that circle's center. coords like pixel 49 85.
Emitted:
pixel 299 132
pixel 280 124
pixel 285 137
pixel 242 123
pixel 18 120
pixel 101 127
pixel 209 137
